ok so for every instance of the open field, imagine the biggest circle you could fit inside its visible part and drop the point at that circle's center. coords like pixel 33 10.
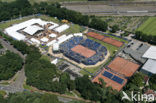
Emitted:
pixel 3 93
pixel 91 70
pixel 11 22
pixel 149 26
pixel 74 28
pixel 128 23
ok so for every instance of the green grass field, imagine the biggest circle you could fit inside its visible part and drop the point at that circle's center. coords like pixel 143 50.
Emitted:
pixel 149 26
pixel 91 70
pixel 11 22
pixel 3 93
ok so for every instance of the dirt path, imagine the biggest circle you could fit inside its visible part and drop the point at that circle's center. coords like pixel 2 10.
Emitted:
pixel 61 95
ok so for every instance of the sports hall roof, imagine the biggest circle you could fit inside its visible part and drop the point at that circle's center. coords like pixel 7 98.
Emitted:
pixel 12 31
pixel 77 34
pixel 51 43
pixel 150 53
pixel 61 28
pixel 61 37
pixel 54 25
pixel 64 38
pixel 44 39
pixel 14 34
pixel 31 30
pixel 55 47
pixel 113 80
pixel 150 66
pixel 52 35
pixel 35 40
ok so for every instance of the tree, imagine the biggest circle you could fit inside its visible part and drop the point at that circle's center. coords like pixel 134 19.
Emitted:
pixel 136 81
pixel 115 28
pixel 98 24
pixel 71 85
pixel 10 63
pixel 2 100
pixel 152 82
pixel 46 98
pixel 28 97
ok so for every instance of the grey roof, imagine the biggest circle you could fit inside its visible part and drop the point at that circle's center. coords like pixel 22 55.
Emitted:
pixel 137 52
pixel 150 66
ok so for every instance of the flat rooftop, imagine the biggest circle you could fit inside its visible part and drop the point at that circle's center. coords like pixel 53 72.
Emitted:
pixel 150 53
pixel 150 66
pixel 123 66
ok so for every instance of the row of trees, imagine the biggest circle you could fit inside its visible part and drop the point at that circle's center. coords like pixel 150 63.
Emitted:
pixel 10 63
pixel 24 8
pixel 13 9
pixel 28 97
pixel 145 37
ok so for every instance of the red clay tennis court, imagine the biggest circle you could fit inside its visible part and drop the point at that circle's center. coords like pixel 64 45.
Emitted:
pixel 105 39
pixel 110 82
pixel 123 66
pixel 95 35
pixel 83 51
pixel 112 42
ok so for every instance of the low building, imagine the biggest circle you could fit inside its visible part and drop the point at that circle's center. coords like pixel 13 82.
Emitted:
pixel 61 28
pixel 150 53
pixel 135 50
pixel 31 30
pixel 55 47
pixel 149 67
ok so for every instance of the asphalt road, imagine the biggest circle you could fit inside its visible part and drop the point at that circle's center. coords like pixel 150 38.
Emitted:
pixel 17 85
pixel 102 8
pixel 10 47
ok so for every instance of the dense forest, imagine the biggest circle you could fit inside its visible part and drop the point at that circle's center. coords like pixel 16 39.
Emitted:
pixel 28 97
pixel 24 8
pixel 10 63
